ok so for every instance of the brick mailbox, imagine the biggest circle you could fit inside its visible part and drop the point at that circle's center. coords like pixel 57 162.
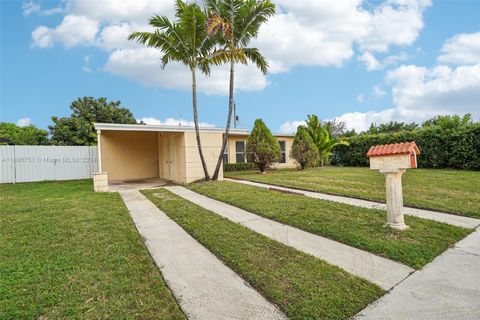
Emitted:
pixel 392 160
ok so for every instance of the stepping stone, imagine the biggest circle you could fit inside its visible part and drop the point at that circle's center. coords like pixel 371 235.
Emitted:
pixel 381 271
pixel 204 287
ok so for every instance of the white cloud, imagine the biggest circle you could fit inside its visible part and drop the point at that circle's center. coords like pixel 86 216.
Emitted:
pixel 29 7
pixel 24 122
pixel 440 89
pixel 309 33
pixel 378 92
pixel 360 97
pixel 143 65
pixel 370 62
pixel 174 122
pixel 291 126
pixel 394 22
pixel 461 49
pixel 420 93
pixel 74 30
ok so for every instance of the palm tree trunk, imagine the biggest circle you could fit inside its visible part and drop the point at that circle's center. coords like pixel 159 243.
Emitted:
pixel 195 121
pixel 229 120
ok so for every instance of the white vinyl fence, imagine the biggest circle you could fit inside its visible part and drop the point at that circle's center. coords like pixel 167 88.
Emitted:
pixel 37 163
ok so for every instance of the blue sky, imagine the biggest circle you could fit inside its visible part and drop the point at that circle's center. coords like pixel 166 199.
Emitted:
pixel 404 60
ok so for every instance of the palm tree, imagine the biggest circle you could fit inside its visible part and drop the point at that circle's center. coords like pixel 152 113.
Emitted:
pixel 186 41
pixel 322 137
pixel 238 22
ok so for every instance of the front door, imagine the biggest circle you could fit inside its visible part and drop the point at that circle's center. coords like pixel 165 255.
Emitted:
pixel 172 158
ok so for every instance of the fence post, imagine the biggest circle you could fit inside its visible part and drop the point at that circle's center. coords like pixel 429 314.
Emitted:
pixel 14 165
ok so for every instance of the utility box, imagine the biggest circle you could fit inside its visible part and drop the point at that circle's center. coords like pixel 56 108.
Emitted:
pixel 392 160
pixel 394 156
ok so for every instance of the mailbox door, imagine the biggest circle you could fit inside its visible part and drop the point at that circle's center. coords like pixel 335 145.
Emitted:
pixel 413 161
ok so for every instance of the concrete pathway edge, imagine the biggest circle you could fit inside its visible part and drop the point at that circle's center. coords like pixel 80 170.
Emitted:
pixel 456 220
pixel 204 287
pixel 447 288
pixel 381 271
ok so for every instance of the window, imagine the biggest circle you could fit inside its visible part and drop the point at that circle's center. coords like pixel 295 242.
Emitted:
pixel 283 159
pixel 225 154
pixel 240 152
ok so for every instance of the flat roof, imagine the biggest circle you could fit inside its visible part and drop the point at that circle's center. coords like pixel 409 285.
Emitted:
pixel 169 128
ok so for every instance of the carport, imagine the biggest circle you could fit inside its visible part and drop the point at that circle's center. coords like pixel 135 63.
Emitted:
pixel 132 152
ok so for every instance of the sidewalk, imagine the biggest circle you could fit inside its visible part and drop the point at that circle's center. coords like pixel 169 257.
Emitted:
pixel 447 288
pixel 203 286
pixel 381 271
pixel 452 219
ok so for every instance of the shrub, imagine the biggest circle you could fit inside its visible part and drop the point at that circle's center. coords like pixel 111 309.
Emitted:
pixel 242 166
pixel 262 147
pixel 304 150
pixel 440 148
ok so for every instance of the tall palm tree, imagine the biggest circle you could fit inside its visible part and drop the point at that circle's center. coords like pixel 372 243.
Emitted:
pixel 186 41
pixel 322 137
pixel 238 22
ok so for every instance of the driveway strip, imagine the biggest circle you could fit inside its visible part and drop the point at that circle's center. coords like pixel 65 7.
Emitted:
pixel 381 271
pixel 452 219
pixel 447 288
pixel 204 287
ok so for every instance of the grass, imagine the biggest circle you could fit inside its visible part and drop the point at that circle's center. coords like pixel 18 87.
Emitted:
pixel 453 191
pixel 302 286
pixel 69 253
pixel 358 227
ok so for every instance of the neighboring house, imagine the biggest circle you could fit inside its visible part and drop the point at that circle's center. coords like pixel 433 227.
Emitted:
pixel 132 152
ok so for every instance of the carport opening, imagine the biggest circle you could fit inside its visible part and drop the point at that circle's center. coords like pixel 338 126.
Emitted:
pixel 131 157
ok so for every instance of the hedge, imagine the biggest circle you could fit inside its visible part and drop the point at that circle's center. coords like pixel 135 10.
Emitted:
pixel 242 166
pixel 439 148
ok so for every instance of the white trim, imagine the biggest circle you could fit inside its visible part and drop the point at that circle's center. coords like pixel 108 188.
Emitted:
pixel 99 150
pixel 165 128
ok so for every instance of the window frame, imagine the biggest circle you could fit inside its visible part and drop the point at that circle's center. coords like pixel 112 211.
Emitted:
pixel 243 153
pixel 283 152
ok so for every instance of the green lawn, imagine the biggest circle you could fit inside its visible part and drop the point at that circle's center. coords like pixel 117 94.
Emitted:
pixel 358 227
pixel 453 191
pixel 69 253
pixel 302 286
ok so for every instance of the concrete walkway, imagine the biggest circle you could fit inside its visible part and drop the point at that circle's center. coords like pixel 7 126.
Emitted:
pixel 447 288
pixel 452 219
pixel 381 271
pixel 203 286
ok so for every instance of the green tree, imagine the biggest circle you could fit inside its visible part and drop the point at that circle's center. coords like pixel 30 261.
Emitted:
pixel 304 150
pixel 28 135
pixel 262 147
pixel 186 41
pixel 450 122
pixel 322 137
pixel 78 129
pixel 238 22
pixel 392 126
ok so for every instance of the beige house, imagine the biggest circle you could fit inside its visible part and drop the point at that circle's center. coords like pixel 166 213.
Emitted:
pixel 131 152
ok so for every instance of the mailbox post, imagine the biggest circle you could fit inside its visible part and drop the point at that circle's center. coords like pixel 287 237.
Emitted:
pixel 392 160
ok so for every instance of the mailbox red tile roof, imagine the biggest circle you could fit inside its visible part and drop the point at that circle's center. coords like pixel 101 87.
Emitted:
pixel 395 148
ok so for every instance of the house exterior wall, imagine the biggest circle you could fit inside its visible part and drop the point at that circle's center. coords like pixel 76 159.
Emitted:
pixel 288 146
pixel 211 145
pixel 128 155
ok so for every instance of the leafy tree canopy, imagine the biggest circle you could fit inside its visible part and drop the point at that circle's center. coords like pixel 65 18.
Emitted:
pixel 262 147
pixel 304 150
pixel 78 129
pixel 10 133
pixel 450 122
pixel 324 140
